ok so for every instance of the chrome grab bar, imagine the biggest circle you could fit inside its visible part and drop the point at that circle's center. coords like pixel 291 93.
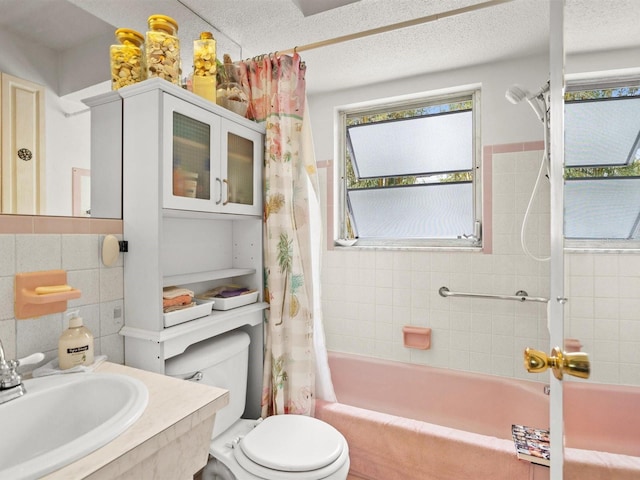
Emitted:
pixel 520 296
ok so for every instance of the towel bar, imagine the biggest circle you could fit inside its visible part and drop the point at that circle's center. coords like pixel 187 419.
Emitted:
pixel 520 296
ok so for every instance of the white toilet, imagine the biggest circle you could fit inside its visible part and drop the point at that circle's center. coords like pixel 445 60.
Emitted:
pixel 281 447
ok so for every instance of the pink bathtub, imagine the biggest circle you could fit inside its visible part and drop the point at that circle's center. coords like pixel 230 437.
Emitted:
pixel 407 422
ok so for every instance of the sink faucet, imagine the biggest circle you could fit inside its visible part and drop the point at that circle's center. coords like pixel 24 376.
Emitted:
pixel 11 385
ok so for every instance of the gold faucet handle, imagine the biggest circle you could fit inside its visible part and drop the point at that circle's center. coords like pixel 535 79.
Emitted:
pixel 574 363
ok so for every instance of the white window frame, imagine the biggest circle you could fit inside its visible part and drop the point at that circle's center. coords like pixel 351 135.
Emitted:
pixel 596 81
pixel 471 242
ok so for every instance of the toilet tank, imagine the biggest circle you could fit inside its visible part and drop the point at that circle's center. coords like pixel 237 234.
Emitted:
pixel 223 361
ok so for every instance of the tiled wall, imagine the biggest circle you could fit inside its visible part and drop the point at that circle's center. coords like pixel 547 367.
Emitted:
pixel 603 312
pixel 369 294
pixel 101 304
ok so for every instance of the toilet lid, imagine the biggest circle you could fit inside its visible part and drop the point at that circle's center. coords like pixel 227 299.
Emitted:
pixel 293 443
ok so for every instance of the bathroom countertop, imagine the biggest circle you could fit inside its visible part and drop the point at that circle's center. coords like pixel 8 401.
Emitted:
pixel 175 408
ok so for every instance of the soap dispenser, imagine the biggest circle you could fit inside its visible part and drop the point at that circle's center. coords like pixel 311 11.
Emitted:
pixel 75 346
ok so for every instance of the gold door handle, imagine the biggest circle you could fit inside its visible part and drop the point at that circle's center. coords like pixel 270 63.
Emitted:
pixel 574 363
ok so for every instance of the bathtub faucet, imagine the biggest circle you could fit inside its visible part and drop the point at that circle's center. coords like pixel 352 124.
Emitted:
pixel 547 389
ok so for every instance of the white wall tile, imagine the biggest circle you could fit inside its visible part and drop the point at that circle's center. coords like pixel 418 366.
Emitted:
pixel 502 365
pixel 384 350
pixel 608 330
pixel 7 255
pixel 606 287
pixel 384 296
pixel 629 374
pixel 8 337
pixel 479 362
pixel 481 343
pixel 630 308
pixel 111 317
pixel 605 265
pixel 459 359
pixel 113 347
pixel 80 252
pixel 88 282
pixel 403 315
pixel 402 279
pixel 629 330
pixel 384 260
pixel 461 341
pixel 38 334
pixel 421 261
pixel 628 287
pixel 111 284
pixel 6 298
pixel 629 266
pixel 460 321
pixel 401 296
pixel 384 278
pixel 38 252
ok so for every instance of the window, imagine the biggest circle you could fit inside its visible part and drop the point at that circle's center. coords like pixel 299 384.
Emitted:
pixel 409 173
pixel 602 166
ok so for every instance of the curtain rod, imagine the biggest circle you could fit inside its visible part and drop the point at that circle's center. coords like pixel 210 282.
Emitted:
pixel 394 26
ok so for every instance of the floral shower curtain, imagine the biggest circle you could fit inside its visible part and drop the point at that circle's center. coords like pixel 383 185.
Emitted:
pixel 277 99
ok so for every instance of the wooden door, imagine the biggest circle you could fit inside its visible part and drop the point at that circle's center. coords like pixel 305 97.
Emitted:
pixel 22 167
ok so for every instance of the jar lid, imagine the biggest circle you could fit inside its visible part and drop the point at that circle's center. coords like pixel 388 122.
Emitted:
pixel 128 35
pixel 206 36
pixel 163 22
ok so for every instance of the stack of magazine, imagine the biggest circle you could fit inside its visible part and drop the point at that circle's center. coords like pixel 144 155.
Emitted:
pixel 532 444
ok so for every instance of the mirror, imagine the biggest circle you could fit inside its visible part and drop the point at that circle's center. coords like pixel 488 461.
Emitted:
pixel 64 48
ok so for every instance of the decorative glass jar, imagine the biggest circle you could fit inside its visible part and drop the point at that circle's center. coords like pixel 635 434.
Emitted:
pixel 162 49
pixel 230 93
pixel 204 66
pixel 127 60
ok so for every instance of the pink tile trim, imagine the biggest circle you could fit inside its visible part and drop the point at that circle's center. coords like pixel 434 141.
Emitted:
pixel 487 184
pixel 61 225
pixel 487 200
pixel 16 224
pixel 40 224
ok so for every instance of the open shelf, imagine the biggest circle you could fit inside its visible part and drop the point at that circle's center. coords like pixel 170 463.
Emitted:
pixel 177 338
pixel 195 277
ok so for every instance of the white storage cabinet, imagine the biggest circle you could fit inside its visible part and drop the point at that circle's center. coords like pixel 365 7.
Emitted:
pixel 197 233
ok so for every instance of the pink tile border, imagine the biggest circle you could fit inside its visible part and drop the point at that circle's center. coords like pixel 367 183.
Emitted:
pixel 16 224
pixel 487 184
pixel 487 200
pixel 40 224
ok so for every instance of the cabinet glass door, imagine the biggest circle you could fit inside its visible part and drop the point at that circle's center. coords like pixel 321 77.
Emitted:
pixel 191 156
pixel 239 169
pixel 241 164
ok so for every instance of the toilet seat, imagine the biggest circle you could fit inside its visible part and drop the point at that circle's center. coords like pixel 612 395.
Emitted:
pixel 288 447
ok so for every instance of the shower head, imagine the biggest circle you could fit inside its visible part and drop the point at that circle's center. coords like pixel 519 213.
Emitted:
pixel 516 94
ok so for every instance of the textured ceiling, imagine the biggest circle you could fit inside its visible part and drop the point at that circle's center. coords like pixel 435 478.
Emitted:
pixel 247 28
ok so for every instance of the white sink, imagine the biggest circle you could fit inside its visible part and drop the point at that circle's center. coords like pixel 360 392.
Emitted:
pixel 62 418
